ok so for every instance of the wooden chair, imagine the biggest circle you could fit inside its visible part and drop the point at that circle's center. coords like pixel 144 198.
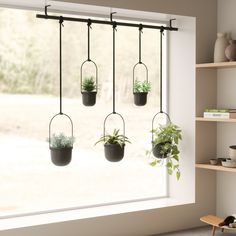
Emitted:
pixel 214 222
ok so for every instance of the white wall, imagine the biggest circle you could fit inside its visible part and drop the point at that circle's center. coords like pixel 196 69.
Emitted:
pixel 166 219
pixel 226 97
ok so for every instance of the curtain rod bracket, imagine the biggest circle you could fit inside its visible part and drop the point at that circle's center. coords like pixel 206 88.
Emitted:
pixel 171 22
pixel 46 9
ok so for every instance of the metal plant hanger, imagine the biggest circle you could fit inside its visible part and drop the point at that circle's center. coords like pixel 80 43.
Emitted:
pixel 114 25
pixel 62 156
pixel 161 112
pixel 89 86
pixel 140 97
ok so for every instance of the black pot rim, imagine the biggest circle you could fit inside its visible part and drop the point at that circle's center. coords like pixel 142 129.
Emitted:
pixel 86 92
pixel 65 148
pixel 140 93
pixel 113 144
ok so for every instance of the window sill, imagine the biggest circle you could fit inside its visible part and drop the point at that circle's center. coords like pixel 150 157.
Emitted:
pixel 63 216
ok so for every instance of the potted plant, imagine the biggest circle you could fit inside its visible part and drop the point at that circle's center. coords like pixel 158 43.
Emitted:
pixel 61 149
pixel 141 90
pixel 114 145
pixel 165 146
pixel 89 91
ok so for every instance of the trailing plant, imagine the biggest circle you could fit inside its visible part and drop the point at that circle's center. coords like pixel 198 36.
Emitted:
pixel 142 87
pixel 168 137
pixel 89 84
pixel 61 141
pixel 114 138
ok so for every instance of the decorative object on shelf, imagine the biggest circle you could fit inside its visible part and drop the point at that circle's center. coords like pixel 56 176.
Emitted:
pixel 220 113
pixel 140 88
pixel 114 145
pixel 214 161
pixel 229 163
pixel 220 46
pixel 165 138
pixel 230 51
pixel 89 84
pixel 61 149
pixel 232 152
pixel 60 145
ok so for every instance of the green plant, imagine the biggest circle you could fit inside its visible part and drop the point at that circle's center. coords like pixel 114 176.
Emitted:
pixel 89 84
pixel 168 137
pixel 142 87
pixel 114 138
pixel 61 141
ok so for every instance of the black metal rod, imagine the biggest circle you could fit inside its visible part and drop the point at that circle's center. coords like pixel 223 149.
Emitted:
pixel 114 69
pixel 60 61
pixel 89 26
pixel 161 35
pixel 106 22
pixel 140 45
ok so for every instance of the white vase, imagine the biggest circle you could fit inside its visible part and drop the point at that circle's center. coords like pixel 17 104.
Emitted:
pixel 220 46
pixel 232 152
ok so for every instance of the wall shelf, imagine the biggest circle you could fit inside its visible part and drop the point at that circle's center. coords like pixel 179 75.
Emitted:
pixel 217 65
pixel 215 167
pixel 215 120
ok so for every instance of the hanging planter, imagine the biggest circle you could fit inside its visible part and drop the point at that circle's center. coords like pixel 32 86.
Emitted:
pixel 165 138
pixel 60 145
pixel 114 145
pixel 140 87
pixel 141 90
pixel 89 83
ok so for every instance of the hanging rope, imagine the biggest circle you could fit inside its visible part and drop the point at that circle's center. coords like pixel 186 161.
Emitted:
pixel 161 45
pixel 89 27
pixel 60 60
pixel 140 43
pixel 114 68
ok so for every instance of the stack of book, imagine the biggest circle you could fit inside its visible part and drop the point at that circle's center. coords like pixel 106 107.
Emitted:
pixel 220 113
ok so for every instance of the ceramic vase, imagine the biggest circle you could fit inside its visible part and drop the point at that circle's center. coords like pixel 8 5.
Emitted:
pixel 230 51
pixel 220 46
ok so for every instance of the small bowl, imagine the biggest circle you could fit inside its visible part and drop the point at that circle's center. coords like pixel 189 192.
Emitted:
pixel 213 161
pixel 229 163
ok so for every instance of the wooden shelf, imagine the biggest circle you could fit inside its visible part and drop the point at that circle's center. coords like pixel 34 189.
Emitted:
pixel 215 120
pixel 215 167
pixel 217 65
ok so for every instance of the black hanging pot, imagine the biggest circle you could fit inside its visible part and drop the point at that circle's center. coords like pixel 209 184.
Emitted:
pixel 114 152
pixel 89 98
pixel 61 156
pixel 140 99
pixel 156 150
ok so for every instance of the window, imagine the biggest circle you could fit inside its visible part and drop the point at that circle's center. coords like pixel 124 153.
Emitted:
pixel 29 81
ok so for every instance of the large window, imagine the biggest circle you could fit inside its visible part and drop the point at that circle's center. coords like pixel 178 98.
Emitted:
pixel 29 79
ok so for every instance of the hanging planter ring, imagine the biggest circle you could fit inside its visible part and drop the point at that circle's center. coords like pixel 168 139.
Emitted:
pixel 140 97
pixel 89 87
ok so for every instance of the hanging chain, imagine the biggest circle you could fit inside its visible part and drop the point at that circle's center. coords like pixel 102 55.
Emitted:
pixel 161 36
pixel 60 60
pixel 140 43
pixel 114 68
pixel 89 27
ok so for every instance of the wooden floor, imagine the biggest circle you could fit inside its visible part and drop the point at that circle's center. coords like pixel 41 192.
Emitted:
pixel 205 231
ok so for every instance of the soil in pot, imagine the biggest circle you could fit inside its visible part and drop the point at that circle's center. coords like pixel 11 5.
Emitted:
pixel 61 156
pixel 140 99
pixel 89 98
pixel 156 150
pixel 114 152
